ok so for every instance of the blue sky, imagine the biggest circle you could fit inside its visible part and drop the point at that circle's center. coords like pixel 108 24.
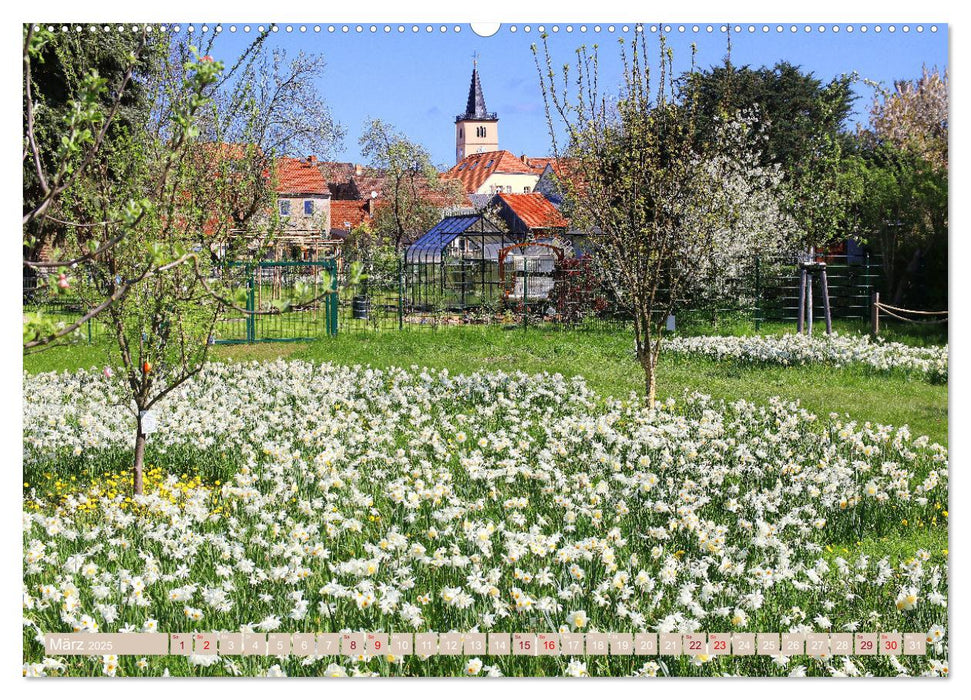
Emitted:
pixel 419 81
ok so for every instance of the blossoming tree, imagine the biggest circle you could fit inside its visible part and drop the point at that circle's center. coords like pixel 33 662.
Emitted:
pixel 666 208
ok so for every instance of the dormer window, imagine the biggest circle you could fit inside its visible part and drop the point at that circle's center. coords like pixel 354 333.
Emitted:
pixel 489 164
pixel 308 207
pixel 284 207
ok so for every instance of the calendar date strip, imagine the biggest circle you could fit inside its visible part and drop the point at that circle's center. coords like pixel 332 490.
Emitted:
pixel 425 644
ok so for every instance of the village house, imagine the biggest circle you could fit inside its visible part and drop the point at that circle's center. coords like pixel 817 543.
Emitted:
pixel 549 182
pixel 494 172
pixel 321 202
pixel 304 209
pixel 479 164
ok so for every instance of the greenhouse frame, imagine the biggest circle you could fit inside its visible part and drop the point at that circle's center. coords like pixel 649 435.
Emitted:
pixel 466 261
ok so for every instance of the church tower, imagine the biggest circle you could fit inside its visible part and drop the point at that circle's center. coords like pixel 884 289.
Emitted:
pixel 476 130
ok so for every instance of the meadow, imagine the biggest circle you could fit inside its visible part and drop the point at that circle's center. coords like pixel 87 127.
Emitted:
pixel 485 479
pixel 604 358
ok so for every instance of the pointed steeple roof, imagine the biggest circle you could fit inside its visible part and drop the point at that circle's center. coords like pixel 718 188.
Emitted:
pixel 475 106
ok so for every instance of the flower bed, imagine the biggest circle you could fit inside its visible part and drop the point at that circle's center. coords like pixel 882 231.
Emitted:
pixel 837 350
pixel 416 500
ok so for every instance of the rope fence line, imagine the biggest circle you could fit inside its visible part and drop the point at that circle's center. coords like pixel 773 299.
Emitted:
pixel 890 310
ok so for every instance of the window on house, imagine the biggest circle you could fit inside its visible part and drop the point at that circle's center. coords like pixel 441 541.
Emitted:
pixel 284 207
pixel 480 132
pixel 308 207
pixel 460 133
pixel 525 190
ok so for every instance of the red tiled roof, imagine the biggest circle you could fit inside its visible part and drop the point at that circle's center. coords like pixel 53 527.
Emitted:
pixel 373 184
pixel 568 169
pixel 538 164
pixel 368 183
pixel 444 198
pixel 212 158
pixel 475 169
pixel 233 151
pixel 563 167
pixel 350 181
pixel 298 176
pixel 348 211
pixel 534 210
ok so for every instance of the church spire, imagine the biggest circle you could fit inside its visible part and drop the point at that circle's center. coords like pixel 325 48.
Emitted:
pixel 476 130
pixel 475 106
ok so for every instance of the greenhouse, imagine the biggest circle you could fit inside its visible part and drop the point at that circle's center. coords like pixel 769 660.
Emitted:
pixel 468 262
pixel 455 265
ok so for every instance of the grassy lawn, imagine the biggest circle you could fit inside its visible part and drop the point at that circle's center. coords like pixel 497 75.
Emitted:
pixel 606 360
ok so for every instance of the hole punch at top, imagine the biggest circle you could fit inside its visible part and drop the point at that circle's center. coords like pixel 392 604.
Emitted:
pixel 485 29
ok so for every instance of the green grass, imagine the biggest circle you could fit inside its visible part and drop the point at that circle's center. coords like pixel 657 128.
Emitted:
pixel 605 359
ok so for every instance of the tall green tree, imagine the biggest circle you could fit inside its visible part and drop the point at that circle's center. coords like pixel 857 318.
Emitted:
pixel 803 122
pixel 905 150
pixel 904 195
pixel 794 108
pixel 76 84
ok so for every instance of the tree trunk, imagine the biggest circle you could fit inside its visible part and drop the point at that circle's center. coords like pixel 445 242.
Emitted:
pixel 651 377
pixel 906 277
pixel 649 364
pixel 139 457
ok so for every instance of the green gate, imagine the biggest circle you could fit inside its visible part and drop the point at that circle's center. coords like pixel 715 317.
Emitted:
pixel 305 291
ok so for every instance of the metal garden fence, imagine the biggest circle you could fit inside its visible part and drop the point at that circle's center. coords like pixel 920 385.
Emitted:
pixel 284 301
pixel 277 301
pixel 520 291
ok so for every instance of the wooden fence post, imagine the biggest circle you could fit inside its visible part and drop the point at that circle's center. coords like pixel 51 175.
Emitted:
pixel 824 284
pixel 809 303
pixel 875 316
pixel 801 311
